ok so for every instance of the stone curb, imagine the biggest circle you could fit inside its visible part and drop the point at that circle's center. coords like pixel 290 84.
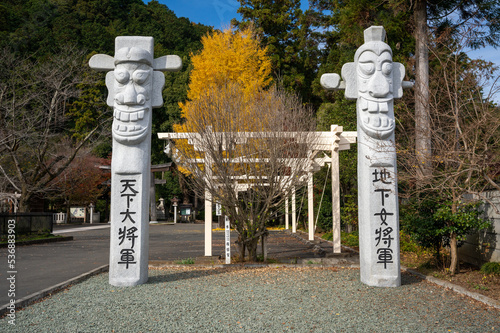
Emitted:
pixel 461 290
pixel 40 241
pixel 25 301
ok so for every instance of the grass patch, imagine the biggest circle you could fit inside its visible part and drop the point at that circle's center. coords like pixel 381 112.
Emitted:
pixel 188 261
pixel 24 238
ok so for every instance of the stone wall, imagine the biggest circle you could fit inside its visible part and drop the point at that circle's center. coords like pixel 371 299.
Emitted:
pixel 484 246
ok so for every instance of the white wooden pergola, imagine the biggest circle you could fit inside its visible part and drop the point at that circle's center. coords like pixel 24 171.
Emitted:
pixel 332 141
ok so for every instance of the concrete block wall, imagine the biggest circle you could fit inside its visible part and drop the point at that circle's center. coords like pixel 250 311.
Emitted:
pixel 484 246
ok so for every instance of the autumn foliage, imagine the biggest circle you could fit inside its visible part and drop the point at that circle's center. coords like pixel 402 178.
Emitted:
pixel 227 58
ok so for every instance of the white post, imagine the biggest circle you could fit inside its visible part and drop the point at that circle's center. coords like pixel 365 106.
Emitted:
pixel 175 214
pixel 294 212
pixel 152 200
pixel 310 205
pixel 91 213
pixel 208 224
pixel 135 87
pixel 287 217
pixel 228 240
pixel 336 191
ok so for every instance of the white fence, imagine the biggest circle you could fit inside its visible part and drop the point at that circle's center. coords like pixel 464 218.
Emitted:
pixel 59 218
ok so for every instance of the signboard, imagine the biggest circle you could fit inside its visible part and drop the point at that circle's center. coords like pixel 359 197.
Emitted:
pixel 218 209
pixel 77 212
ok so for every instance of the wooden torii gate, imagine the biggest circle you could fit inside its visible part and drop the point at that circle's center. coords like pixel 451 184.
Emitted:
pixel 332 141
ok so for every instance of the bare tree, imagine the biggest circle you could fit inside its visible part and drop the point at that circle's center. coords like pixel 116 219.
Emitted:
pixel 247 153
pixel 465 134
pixel 36 137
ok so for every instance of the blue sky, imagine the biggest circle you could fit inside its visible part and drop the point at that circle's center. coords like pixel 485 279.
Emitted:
pixel 218 13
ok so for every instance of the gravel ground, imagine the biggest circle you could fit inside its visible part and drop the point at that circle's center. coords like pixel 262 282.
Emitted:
pixel 238 299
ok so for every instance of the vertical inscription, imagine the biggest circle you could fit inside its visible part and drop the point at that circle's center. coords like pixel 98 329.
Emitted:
pixel 383 200
pixel 129 214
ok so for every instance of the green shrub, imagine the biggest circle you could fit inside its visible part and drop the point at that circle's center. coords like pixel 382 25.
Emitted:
pixel 348 239
pixel 407 244
pixel 491 268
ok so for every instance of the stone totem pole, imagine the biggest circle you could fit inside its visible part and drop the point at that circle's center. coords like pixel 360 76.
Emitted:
pixel 135 88
pixel 374 81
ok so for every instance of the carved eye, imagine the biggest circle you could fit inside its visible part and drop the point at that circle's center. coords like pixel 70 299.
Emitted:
pixel 122 76
pixel 367 68
pixel 387 68
pixel 140 76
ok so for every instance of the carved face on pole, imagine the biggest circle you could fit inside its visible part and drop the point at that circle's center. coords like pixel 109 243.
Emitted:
pixel 132 86
pixel 374 69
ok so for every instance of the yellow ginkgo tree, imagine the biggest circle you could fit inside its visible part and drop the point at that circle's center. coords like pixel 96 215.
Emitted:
pixel 227 58
pixel 237 151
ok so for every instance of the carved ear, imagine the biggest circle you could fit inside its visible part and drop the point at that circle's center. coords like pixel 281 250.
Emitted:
pixel 349 76
pixel 110 84
pixel 158 83
pixel 398 74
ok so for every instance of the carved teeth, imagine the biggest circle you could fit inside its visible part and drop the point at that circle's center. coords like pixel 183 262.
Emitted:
pixel 377 121
pixel 128 116
pixel 364 104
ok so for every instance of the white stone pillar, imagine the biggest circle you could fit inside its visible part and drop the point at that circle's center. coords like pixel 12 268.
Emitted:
pixel 208 224
pixel 374 80
pixel 135 88
pixel 294 211
pixel 310 205
pixel 227 227
pixel 336 193
pixel 152 200
pixel 287 217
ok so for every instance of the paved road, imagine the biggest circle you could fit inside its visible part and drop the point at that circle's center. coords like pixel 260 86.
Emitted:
pixel 45 265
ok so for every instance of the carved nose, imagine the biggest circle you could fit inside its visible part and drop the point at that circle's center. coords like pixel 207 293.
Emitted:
pixel 379 86
pixel 130 96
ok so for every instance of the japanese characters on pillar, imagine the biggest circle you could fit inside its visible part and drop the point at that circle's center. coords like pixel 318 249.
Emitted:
pixel 228 240
pixel 135 87
pixel 374 80
pixel 384 216
pixel 127 231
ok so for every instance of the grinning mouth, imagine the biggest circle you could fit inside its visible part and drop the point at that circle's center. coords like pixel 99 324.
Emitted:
pixel 374 118
pixel 127 127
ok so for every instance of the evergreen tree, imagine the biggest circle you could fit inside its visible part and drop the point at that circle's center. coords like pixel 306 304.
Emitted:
pixel 285 31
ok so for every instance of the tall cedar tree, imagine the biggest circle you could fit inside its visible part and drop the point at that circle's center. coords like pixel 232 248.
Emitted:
pixel 285 31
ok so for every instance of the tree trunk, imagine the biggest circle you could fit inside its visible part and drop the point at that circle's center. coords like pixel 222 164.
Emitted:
pixel 454 268
pixel 263 241
pixel 423 147
pixel 252 249
pixel 241 247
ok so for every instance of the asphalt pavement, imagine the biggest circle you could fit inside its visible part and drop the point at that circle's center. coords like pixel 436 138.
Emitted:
pixel 42 266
